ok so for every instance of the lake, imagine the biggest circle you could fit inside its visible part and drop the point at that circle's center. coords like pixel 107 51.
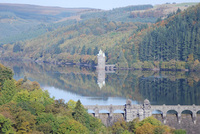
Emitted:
pixel 104 88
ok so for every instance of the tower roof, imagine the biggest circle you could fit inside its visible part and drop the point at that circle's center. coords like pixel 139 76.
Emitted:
pixel 101 53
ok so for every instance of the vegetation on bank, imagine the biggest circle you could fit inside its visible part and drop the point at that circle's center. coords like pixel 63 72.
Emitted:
pixel 26 108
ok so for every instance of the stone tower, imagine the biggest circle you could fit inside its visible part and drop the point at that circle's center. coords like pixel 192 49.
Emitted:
pixel 101 60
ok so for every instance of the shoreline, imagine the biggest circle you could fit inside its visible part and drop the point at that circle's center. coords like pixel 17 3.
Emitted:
pixel 94 66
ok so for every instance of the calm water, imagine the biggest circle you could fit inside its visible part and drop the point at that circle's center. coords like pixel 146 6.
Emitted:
pixel 105 88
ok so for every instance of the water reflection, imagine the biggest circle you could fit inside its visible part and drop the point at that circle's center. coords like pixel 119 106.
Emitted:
pixel 101 78
pixel 92 87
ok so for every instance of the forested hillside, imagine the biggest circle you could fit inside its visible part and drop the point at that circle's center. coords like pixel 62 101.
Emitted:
pixel 26 108
pixel 77 43
pixel 121 14
pixel 172 43
pixel 20 22
pixel 137 13
pixel 175 38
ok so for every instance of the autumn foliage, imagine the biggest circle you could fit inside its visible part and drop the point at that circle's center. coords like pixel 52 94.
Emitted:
pixel 27 109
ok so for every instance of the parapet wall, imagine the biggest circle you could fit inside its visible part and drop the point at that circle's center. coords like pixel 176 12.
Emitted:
pixel 172 115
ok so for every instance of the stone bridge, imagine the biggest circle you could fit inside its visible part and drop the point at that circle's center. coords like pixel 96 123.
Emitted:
pixel 109 67
pixel 131 112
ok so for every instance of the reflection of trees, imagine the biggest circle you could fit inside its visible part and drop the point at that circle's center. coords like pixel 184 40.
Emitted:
pixel 75 79
pixel 158 87
pixel 167 91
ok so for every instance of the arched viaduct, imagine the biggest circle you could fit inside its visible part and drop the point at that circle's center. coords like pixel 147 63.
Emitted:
pixel 131 112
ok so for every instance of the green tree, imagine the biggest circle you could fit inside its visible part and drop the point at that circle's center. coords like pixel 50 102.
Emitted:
pixel 25 121
pixel 73 127
pixel 16 48
pixel 153 121
pixel 190 58
pixel 5 73
pixel 83 50
pixel 71 104
pixel 46 122
pixel 119 127
pixel 79 112
pixel 96 51
pixel 132 124
pixel 5 125
pixel 146 128
pixel 8 91
pixel 89 51
pixel 179 131
pixel 73 50
pixel 122 62
pixel 22 96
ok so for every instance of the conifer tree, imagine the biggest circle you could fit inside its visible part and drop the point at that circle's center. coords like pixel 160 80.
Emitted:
pixel 79 112
pixel 8 91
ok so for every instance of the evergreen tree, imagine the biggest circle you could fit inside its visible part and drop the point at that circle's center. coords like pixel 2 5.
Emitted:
pixel 175 38
pixel 8 91
pixel 79 112
pixel 73 50
pixel 16 48
pixel 83 50
pixel 122 62
pixel 89 51
pixel 96 51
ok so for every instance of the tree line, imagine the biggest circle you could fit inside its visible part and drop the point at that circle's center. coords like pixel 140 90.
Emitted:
pixel 176 38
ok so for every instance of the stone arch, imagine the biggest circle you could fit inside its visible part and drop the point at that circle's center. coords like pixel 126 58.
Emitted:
pixel 198 112
pixel 90 111
pixel 172 111
pixel 189 115
pixel 176 115
pixel 119 111
pixel 104 111
pixel 187 112
pixel 156 111
pixel 158 114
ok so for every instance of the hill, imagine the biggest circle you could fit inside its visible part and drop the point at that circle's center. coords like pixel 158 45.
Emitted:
pixel 125 44
pixel 20 22
pixel 77 43
pixel 175 38
pixel 174 42
pixel 39 13
pixel 138 13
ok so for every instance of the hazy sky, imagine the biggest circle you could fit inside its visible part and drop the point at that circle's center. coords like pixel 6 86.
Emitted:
pixel 101 4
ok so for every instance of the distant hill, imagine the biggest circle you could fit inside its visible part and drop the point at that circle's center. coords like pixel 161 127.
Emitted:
pixel 19 22
pixel 119 14
pixel 40 13
pixel 160 11
pixel 138 13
